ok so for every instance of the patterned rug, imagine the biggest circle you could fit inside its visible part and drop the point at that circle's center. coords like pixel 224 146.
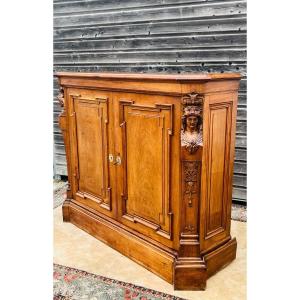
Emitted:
pixel 74 284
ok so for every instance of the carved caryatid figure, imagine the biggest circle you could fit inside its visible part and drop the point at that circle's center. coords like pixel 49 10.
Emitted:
pixel 191 133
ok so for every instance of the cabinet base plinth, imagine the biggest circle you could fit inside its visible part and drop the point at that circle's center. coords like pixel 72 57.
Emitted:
pixel 65 211
pixel 220 257
pixel 156 259
pixel 186 273
pixel 190 274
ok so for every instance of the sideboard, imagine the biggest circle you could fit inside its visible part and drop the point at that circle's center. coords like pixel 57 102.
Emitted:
pixel 150 165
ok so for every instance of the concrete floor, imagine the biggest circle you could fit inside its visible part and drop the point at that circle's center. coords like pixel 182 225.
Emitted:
pixel 75 248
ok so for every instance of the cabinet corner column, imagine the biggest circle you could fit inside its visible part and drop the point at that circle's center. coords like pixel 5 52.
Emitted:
pixel 190 268
pixel 64 128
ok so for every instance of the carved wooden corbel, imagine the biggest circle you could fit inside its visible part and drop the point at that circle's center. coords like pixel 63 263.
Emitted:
pixel 61 98
pixel 191 132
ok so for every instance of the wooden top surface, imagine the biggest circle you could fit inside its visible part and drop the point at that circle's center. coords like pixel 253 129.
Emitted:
pixel 152 76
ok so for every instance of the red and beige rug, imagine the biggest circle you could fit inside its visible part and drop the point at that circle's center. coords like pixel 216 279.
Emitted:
pixel 74 284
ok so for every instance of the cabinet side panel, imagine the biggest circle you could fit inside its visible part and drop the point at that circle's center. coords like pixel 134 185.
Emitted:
pixel 218 149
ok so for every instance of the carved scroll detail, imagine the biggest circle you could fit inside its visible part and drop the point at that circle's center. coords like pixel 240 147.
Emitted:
pixel 191 133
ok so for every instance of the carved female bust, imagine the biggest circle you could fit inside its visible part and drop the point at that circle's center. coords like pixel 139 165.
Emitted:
pixel 191 133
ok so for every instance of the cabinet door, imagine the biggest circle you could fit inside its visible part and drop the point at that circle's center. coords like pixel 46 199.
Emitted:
pixel 144 146
pixel 90 147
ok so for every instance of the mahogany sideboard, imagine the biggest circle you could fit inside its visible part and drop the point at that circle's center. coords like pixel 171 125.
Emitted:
pixel 150 164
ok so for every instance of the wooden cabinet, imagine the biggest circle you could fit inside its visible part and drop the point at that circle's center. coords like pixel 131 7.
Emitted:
pixel 150 163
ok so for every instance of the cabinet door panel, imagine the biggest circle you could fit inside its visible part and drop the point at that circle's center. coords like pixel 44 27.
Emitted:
pixel 146 132
pixel 147 125
pixel 90 147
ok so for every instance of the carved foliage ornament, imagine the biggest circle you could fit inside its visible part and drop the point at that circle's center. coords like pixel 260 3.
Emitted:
pixel 191 173
pixel 191 133
pixel 189 228
pixel 192 99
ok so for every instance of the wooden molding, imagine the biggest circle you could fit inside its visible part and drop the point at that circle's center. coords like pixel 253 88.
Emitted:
pixel 151 77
